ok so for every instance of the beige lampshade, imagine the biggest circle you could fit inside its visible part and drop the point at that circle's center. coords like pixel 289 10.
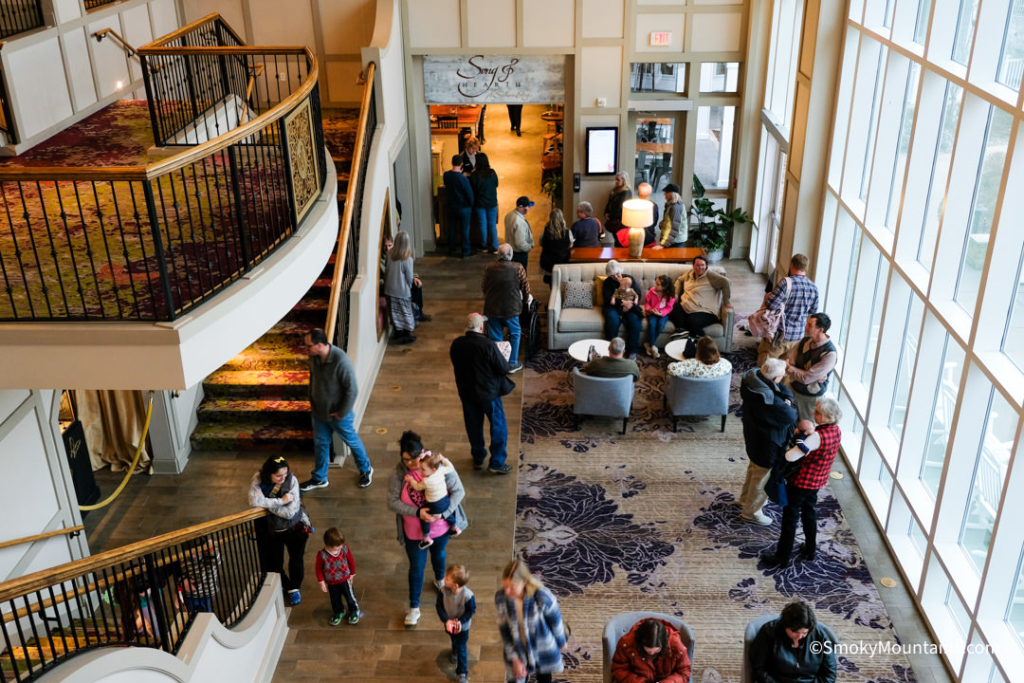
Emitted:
pixel 637 213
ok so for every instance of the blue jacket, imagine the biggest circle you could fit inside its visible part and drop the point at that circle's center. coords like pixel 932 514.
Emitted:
pixel 460 192
pixel 545 634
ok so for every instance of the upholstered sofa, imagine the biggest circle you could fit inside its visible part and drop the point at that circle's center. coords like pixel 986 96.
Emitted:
pixel 568 325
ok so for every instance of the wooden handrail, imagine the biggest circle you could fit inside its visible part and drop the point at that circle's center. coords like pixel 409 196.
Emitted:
pixel 101 34
pixel 191 155
pixel 209 18
pixel 346 221
pixel 72 570
pixel 73 530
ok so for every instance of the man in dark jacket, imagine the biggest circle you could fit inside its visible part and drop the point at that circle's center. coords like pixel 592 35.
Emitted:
pixel 768 419
pixel 459 198
pixel 506 289
pixel 480 371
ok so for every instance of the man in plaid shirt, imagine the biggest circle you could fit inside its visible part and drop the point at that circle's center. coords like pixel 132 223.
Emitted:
pixel 802 487
pixel 800 297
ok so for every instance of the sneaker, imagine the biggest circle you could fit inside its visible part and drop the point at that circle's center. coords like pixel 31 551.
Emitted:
pixel 354 618
pixel 336 619
pixel 759 518
pixel 682 334
pixel 438 585
pixel 294 597
pixel 364 478
pixel 504 469
pixel 654 352
pixel 453 658
pixel 478 465
pixel 632 356
pixel 424 318
pixel 463 678
pixel 514 368
pixel 773 560
pixel 454 530
pixel 405 339
pixel 647 348
pixel 426 543
pixel 311 484
pixel 412 617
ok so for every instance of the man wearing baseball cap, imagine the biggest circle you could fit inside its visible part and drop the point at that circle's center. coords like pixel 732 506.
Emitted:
pixel 518 233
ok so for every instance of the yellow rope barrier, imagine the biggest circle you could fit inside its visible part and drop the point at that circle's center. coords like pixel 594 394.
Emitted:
pixel 131 469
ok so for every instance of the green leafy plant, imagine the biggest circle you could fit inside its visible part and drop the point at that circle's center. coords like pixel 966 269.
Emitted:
pixel 710 226
pixel 552 187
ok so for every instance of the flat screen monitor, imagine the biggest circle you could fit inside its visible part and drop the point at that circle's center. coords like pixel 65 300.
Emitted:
pixel 602 150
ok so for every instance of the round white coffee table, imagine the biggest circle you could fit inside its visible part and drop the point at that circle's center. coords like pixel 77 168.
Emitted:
pixel 580 350
pixel 674 349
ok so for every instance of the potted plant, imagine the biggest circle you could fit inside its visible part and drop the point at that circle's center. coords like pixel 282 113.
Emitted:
pixel 552 187
pixel 709 227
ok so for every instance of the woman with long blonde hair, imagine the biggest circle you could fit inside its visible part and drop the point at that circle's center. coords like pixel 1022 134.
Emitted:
pixel 555 244
pixel 398 284
pixel 534 645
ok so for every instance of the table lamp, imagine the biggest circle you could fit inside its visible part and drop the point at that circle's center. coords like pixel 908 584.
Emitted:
pixel 637 214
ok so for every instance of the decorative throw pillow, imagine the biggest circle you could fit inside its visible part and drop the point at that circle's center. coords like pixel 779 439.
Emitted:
pixel 578 295
pixel 599 289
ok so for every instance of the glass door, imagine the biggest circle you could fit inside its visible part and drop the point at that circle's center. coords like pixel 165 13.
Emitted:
pixel 656 151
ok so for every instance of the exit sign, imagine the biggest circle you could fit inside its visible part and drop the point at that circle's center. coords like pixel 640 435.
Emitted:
pixel 661 38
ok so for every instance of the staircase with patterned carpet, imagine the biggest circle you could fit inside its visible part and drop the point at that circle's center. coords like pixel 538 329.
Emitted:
pixel 258 400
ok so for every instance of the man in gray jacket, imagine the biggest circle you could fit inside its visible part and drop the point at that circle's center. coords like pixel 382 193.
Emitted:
pixel 332 393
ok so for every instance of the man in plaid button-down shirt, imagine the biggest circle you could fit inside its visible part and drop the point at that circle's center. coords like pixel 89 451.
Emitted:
pixel 800 297
pixel 802 488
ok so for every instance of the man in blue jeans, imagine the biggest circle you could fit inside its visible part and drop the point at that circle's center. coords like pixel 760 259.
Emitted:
pixel 506 290
pixel 480 370
pixel 332 393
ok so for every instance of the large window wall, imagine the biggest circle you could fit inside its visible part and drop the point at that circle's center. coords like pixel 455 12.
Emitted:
pixel 921 262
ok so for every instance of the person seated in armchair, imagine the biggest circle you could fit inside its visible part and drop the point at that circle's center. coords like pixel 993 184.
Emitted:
pixel 697 303
pixel 613 365
pixel 652 652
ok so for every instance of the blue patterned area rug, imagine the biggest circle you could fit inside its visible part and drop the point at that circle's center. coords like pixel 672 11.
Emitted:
pixel 645 521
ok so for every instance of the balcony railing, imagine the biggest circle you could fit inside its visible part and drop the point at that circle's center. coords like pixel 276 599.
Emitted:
pixel 18 16
pixel 142 595
pixel 151 243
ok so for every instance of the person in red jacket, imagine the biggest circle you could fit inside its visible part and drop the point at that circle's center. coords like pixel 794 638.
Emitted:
pixel 652 651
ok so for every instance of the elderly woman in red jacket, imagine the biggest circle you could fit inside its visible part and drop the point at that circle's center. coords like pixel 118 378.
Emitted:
pixel 652 651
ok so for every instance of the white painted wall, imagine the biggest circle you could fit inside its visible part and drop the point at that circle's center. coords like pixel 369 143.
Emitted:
pixel 39 492
pixel 334 30
pixel 79 75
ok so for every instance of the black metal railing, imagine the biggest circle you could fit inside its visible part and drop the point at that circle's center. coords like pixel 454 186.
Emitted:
pixel 18 16
pixel 346 267
pixel 152 243
pixel 143 595
pixel 201 81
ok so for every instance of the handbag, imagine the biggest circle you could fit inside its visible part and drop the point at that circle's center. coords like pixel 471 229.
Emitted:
pixel 766 322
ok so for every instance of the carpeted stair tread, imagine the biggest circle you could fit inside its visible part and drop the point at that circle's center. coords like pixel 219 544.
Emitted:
pixel 254 437
pixel 274 353
pixel 249 414
pixel 311 303
pixel 285 385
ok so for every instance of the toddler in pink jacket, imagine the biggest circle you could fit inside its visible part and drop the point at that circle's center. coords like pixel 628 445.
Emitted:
pixel 657 305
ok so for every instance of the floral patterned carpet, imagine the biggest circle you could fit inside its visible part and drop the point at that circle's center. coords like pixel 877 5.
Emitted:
pixel 646 521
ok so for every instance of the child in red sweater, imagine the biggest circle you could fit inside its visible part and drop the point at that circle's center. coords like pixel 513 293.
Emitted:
pixel 335 570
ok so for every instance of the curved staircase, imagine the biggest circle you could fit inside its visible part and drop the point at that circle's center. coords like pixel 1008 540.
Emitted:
pixel 258 400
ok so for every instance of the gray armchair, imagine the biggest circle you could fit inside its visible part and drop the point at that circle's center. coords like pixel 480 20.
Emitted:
pixel 753 626
pixel 697 396
pixel 602 396
pixel 620 624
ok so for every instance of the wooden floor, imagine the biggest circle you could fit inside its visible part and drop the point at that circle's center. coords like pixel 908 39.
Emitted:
pixel 415 390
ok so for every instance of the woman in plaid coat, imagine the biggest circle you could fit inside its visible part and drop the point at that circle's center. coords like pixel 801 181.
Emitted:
pixel 530 624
